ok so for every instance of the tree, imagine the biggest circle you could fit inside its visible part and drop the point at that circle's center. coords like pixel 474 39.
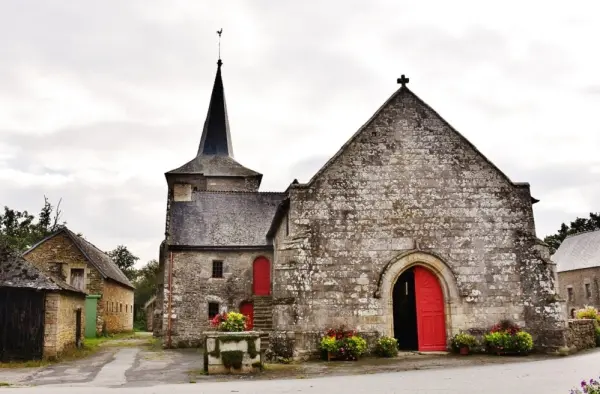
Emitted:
pixel 125 260
pixel 19 231
pixel 145 282
pixel 577 226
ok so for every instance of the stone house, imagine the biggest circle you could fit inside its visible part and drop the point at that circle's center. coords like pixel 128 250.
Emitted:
pixel 407 231
pixel 578 265
pixel 74 260
pixel 40 316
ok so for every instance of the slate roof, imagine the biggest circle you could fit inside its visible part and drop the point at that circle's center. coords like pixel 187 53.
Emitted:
pixel 214 166
pixel 578 251
pixel 221 219
pixel 17 272
pixel 216 139
pixel 96 257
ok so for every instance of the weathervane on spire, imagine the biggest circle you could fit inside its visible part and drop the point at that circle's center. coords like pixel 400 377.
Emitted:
pixel 219 32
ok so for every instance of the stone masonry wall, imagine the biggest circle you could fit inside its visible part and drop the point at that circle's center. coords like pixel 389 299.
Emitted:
pixel 59 251
pixel 194 288
pixel 60 322
pixel 577 279
pixel 406 183
pixel 581 334
pixel 117 305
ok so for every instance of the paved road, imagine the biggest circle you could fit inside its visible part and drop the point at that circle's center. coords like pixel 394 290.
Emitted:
pixel 544 377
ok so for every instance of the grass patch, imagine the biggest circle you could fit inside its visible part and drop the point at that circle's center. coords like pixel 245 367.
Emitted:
pixel 196 372
pixel 4 384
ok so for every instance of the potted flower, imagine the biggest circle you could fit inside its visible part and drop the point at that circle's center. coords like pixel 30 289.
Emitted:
pixel 342 344
pixel 231 348
pixel 507 338
pixel 463 343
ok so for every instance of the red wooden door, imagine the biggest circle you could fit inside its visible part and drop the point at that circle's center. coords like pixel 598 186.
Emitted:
pixel 262 276
pixel 247 309
pixel 431 322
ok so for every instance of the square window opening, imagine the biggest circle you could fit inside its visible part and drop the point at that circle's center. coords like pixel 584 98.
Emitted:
pixel 570 293
pixel 77 278
pixel 217 269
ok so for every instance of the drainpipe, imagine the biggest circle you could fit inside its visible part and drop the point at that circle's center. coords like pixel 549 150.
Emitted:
pixel 170 299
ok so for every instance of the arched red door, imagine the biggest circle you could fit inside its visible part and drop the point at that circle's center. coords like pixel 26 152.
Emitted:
pixel 247 309
pixel 261 276
pixel 431 322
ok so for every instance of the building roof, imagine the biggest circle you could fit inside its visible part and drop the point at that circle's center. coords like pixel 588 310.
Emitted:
pixel 578 251
pixel 99 259
pixel 220 219
pixel 216 139
pixel 16 272
pixel 215 153
pixel 214 166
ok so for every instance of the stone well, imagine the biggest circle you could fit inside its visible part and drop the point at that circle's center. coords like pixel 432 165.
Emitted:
pixel 232 352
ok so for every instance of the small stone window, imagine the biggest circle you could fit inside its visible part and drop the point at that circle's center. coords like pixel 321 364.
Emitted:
pixel 121 308
pixel 77 278
pixel 217 269
pixel 213 309
pixel 588 290
pixel 569 293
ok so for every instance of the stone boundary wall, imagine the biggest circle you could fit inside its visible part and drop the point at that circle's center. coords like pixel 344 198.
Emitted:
pixel 305 345
pixel 581 334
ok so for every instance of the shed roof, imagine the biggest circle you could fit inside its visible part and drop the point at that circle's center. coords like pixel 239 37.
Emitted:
pixel 578 251
pixel 16 272
pixel 218 219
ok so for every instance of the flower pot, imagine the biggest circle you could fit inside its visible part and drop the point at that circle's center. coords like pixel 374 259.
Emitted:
pixel 464 350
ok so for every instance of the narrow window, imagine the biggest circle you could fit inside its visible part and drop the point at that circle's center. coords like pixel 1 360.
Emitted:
pixel 77 280
pixel 121 308
pixel 287 224
pixel 570 293
pixel 213 309
pixel 126 306
pixel 217 269
pixel 588 290
pixel 112 306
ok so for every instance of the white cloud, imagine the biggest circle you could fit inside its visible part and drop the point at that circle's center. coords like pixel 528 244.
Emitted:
pixel 99 99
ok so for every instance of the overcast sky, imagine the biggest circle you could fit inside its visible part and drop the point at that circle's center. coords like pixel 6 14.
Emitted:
pixel 99 98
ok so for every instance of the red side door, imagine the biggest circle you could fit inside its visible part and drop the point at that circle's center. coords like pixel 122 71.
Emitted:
pixel 262 276
pixel 431 322
pixel 247 309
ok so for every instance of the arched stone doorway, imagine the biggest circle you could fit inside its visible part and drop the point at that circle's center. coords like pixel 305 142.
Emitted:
pixel 418 289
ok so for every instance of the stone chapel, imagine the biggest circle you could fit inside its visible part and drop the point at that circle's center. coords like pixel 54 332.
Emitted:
pixel 407 231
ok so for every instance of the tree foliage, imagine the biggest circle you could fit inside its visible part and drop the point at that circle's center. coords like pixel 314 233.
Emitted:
pixel 19 230
pixel 579 225
pixel 125 260
pixel 145 282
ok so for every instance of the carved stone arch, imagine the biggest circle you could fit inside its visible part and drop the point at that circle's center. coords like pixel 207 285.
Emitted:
pixel 404 261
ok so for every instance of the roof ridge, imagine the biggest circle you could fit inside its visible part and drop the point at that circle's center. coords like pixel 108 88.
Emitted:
pixel 236 192
pixel 581 232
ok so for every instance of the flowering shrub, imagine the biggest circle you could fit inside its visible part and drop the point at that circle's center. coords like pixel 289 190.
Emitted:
pixel 591 387
pixel 588 312
pixel 463 340
pixel 229 322
pixel 507 337
pixel 386 347
pixel 344 344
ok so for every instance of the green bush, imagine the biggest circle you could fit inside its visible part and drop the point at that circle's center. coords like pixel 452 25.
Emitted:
pixel 351 348
pixel 504 342
pixel 386 347
pixel 329 344
pixel 597 335
pixel 588 312
pixel 463 340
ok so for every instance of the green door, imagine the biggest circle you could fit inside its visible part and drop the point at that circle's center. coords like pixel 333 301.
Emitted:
pixel 91 311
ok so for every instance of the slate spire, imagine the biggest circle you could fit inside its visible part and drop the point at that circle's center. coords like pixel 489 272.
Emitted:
pixel 216 139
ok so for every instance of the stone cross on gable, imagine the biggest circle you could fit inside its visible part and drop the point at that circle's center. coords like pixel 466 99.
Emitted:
pixel 403 80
